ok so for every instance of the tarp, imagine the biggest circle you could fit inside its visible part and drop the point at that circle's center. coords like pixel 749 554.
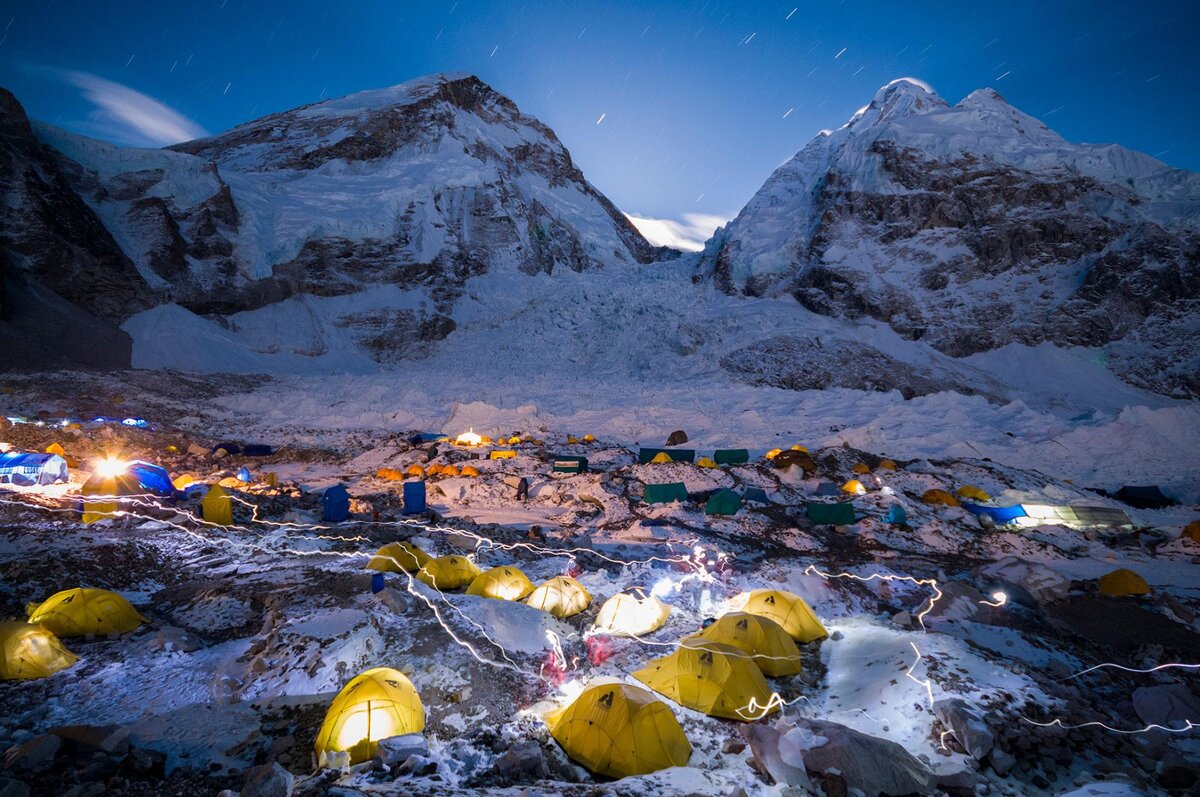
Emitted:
pixel 1144 497
pixel 26 468
pixel 1000 514
pixel 570 464
pixel 665 493
pixel 723 502
pixel 840 514
pixel 731 456
pixel 1101 516
pixel 676 454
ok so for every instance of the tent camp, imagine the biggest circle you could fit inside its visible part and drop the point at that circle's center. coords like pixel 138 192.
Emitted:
pixel 30 651
pixel 618 730
pixel 378 704
pixel 1123 582
pixel 839 514
pixel 646 455
pixel 561 596
pixel 723 502
pixel 1145 497
pixel 414 498
pixel 790 611
pixel 396 557
pixel 134 478
pixel 772 649
pixel 25 468
pixel 731 456
pixel 83 611
pixel 712 678
pixel 448 572
pixel 632 613
pixel 665 493
pixel 335 504
pixel 1075 517
pixel 999 514
pixel 502 583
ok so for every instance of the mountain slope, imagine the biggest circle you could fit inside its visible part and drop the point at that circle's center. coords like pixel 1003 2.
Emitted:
pixel 974 226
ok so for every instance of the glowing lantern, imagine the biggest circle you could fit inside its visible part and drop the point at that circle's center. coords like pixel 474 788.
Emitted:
pixel 377 704
pixel 469 438
pixel 110 467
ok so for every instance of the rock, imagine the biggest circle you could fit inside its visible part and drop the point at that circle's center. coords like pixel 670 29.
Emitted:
pixel 396 750
pixel 968 727
pixel 36 755
pixel 10 787
pixel 959 601
pixel 764 741
pixel 1029 583
pixel 92 789
pixel 733 746
pixel 268 780
pixel 1179 774
pixel 958 783
pixel 523 761
pixel 677 438
pixel 175 640
pixel 109 739
pixel 872 765
pixel 1001 761
pixel 197 451
pixel 902 620
pixel 1170 705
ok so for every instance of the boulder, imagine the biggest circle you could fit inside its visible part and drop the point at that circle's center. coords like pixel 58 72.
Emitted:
pixel 36 755
pixel 959 601
pixel 872 765
pixel 523 761
pixel 1027 582
pixel 1002 762
pixel 10 787
pixel 1169 705
pixel 677 438
pixel 268 780
pixel 108 739
pixel 968 728
pixel 766 743
pixel 395 750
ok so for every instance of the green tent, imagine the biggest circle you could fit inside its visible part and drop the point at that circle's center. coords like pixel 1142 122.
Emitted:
pixel 676 454
pixel 566 464
pixel 665 493
pixel 723 502
pixel 841 514
pixel 731 456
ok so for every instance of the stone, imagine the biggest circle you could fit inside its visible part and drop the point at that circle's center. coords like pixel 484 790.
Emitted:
pixel 36 755
pixel 268 780
pixel 109 739
pixel 523 761
pixel 959 601
pixel 968 728
pixel 1169 705
pixel 958 782
pixel 764 741
pixel 197 451
pixel 869 764
pixel 396 750
pixel 733 746
pixel 677 438
pixel 175 640
pixel 902 620
pixel 10 787
pixel 92 789
pixel 1001 761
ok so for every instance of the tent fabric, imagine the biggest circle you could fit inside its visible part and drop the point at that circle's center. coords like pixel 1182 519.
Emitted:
pixel 448 572
pixel 389 474
pixel 31 651
pixel 1123 582
pixel 646 455
pixel 712 678
pixel 1192 531
pixel 618 730
pixel 974 493
pixel 82 611
pixel 1144 497
pixel 150 478
pixel 723 502
pixel 502 454
pixel 137 478
pixel 706 462
pixel 755 495
pixel 860 468
pixel 632 613
pixel 377 704
pixel 414 498
pixel 939 497
pixel 731 456
pixel 661 458
pixel 335 504
pixel 570 464
pixel 501 583
pixel 217 507
pixel 665 493
pixel 398 557
pixel 1100 516
pixel 561 596
pixel 56 448
pixel 999 514
pixel 854 487
pixel 828 490
pixel 26 468
pixel 887 464
pixel 896 515
pixel 839 514
pixel 771 648
pixel 790 611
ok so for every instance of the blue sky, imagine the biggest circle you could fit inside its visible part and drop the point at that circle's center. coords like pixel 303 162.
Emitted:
pixel 700 100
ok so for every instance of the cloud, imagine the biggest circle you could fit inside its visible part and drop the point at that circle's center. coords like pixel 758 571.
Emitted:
pixel 131 117
pixel 688 234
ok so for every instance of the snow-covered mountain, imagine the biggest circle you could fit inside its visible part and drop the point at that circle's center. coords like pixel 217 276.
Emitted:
pixel 974 226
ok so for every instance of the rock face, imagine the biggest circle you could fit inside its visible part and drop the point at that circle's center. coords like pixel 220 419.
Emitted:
pixel 869 764
pixel 973 226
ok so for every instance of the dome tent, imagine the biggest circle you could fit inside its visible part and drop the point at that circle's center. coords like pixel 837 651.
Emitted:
pixel 712 678
pixel 82 611
pixel 632 613
pixel 502 583
pixel 397 557
pixel 377 704
pixel 619 730
pixel 1123 582
pixel 792 612
pixel 30 651
pixel 448 572
pixel 937 497
pixel 561 596
pixel 768 644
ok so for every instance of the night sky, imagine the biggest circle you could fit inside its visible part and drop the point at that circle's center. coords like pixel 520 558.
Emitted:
pixel 697 102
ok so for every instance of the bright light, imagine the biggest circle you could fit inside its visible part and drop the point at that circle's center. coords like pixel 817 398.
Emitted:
pixel 468 438
pixel 999 598
pixel 365 724
pixel 571 689
pixel 110 467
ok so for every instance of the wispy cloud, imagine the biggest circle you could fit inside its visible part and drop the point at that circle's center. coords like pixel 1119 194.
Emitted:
pixel 129 116
pixel 688 233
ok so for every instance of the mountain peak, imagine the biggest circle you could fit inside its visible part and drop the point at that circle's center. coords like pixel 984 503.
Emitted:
pixel 905 86
pixel 901 97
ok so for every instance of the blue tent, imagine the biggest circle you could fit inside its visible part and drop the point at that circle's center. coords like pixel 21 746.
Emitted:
pixel 243 474
pixel 335 504
pixel 150 478
pixel 896 516
pixel 414 498
pixel 755 495
pixel 1000 514
pixel 27 468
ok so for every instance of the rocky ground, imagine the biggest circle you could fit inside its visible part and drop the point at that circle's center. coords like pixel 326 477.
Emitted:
pixel 923 686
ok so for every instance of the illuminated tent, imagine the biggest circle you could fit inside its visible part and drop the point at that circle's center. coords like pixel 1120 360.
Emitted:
pixel 792 612
pixel 974 493
pixel 1123 582
pixel 632 613
pixel 673 455
pixel 30 651
pixel 939 497
pixel 448 572
pixel 561 596
pixel 390 474
pixel 397 557
pixel 620 730
pixel 27 468
pixel 82 611
pixel 723 502
pixel 661 458
pixel 503 583
pixel 217 507
pixel 731 456
pixel 375 705
pixel 896 515
pixel 134 478
pixel 56 448
pixel 415 471
pixel 469 471
pixel 769 645
pixel 665 493
pixel 999 514
pixel 706 462
pixel 854 487
pixel 887 464
pixel 502 454
pixel 712 678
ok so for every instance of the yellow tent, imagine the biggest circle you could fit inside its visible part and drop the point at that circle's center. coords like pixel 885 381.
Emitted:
pixel 94 510
pixel 589 438
pixel 414 470
pixel 217 506
pixel 973 492
pixel 714 679
pixel 662 457
pixel 769 645
pixel 182 481
pixel 433 469
pixel 504 583
pixel 860 468
pixel 516 439
pixel 706 462
pixel 1192 531
pixel 469 471
pixel 55 448
pixel 449 470
pixel 887 464
pixel 397 557
pixel 377 704
pixel 939 497
pixel 572 440
pixel 632 613
pixel 1122 582
pixel 390 474
pixel 503 454
pixel 620 730
pixel 562 596
pixel 791 611
pixel 448 572
pixel 854 487
pixel 800 448
pixel 30 651
pixel 82 611
pixel 774 452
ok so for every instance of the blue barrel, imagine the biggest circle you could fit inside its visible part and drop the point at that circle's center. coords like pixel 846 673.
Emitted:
pixel 377 583
pixel 414 498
